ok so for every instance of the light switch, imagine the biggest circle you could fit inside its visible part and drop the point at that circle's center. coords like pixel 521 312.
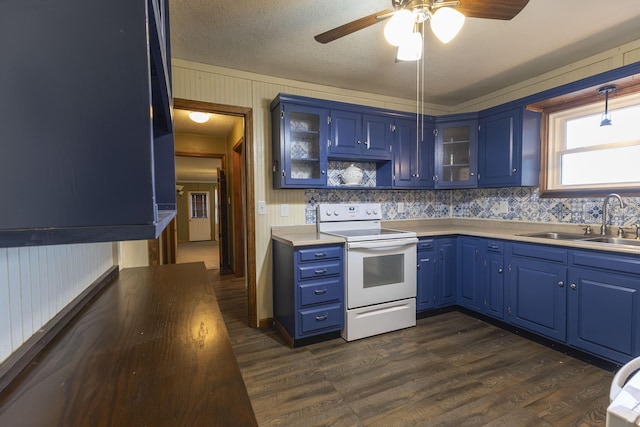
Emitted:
pixel 262 207
pixel 284 210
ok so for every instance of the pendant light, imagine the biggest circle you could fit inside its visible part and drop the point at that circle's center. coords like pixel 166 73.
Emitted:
pixel 606 117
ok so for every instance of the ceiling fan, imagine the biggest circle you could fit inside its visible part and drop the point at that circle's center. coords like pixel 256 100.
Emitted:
pixel 421 10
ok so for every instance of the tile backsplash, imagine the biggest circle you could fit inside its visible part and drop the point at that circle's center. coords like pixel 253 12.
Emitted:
pixel 512 203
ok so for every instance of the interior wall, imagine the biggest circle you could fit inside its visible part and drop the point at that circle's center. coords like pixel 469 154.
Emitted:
pixel 201 82
pixel 182 208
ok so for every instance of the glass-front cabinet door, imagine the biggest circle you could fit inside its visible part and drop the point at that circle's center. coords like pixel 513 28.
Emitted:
pixel 303 147
pixel 455 154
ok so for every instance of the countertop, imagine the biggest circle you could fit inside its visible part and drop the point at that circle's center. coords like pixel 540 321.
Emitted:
pixel 151 349
pixel 306 235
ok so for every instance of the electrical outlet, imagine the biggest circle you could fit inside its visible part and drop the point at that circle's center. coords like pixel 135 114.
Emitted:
pixel 262 207
pixel 503 207
pixel 284 210
pixel 400 207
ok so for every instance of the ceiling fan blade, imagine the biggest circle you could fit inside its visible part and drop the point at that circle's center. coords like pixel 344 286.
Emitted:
pixel 353 26
pixel 496 9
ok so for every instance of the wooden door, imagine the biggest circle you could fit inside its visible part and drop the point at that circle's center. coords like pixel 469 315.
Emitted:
pixel 223 216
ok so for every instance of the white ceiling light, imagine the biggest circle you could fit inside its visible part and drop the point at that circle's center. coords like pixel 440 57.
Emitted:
pixel 411 48
pixel 446 23
pixel 199 116
pixel 399 27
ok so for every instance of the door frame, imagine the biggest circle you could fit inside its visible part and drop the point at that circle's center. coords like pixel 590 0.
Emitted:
pixel 249 189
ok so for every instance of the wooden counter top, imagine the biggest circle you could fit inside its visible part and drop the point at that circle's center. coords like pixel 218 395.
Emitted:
pixel 151 349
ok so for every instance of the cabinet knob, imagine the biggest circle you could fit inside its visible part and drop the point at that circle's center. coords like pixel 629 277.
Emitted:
pixel 323 172
pixel 359 142
pixel 500 270
pixel 472 174
pixel 573 286
pixel 514 170
pixel 561 283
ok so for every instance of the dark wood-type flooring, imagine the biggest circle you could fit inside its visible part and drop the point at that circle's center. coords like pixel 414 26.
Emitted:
pixel 450 370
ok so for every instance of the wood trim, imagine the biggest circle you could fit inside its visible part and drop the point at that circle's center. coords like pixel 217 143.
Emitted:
pixel 238 208
pixel 266 323
pixel 247 113
pixel 29 350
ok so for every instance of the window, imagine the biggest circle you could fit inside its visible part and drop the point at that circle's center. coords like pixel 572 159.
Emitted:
pixel 199 205
pixel 584 157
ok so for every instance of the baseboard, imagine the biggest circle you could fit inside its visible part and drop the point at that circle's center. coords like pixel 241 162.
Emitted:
pixel 17 361
pixel 265 323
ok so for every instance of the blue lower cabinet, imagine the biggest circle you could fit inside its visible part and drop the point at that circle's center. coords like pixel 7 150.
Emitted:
pixel 539 297
pixel 471 273
pixel 308 290
pixel 436 273
pixel 604 306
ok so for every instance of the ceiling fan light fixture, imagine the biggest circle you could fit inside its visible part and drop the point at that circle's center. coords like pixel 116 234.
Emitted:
pixel 399 27
pixel 446 23
pixel 199 116
pixel 411 48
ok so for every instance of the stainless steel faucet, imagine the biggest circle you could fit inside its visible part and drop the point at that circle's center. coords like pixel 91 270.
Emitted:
pixel 603 228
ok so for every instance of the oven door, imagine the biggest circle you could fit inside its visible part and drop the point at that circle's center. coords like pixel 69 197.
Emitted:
pixel 380 271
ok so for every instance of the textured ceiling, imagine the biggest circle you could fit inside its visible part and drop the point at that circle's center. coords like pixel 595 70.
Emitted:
pixel 275 37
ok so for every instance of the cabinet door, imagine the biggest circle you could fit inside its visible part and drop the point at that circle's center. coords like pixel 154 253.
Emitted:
pixel 494 285
pixel 471 278
pixel 304 148
pixel 604 313
pixel 538 297
pixel 447 267
pixel 426 292
pixel 412 157
pixel 346 134
pixel 499 149
pixel 455 154
pixel 377 136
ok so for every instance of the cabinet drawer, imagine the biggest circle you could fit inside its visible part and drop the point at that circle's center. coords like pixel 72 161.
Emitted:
pixel 426 245
pixel 495 246
pixel 541 252
pixel 621 264
pixel 318 318
pixel 317 270
pixel 320 292
pixel 315 254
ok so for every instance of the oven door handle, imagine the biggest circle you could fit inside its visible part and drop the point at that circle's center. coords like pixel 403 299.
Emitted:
pixel 383 244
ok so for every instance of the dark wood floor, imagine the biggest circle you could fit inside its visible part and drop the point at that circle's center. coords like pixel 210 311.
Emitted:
pixel 450 370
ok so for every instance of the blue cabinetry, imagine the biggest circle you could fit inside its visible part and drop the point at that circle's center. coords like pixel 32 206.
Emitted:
pixel 509 149
pixel 358 136
pixel 471 273
pixel 604 304
pixel 538 297
pixel 308 290
pixel 299 145
pixel 413 154
pixel 456 152
pixel 436 273
pixel 98 164
pixel 493 289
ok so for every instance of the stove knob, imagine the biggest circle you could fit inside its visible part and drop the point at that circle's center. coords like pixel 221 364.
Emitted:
pixel 368 211
pixel 328 213
pixel 336 213
pixel 375 211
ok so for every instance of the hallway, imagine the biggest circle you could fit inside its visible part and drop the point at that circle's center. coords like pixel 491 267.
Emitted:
pixel 206 251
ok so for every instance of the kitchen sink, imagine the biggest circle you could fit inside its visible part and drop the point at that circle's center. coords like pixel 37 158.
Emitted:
pixel 557 235
pixel 613 240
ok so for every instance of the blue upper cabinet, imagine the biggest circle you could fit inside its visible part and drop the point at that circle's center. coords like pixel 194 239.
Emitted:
pixel 455 152
pixel 98 163
pixel 413 156
pixel 299 146
pixel 357 136
pixel 509 149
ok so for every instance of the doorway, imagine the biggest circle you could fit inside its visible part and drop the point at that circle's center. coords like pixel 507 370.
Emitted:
pixel 199 216
pixel 241 197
